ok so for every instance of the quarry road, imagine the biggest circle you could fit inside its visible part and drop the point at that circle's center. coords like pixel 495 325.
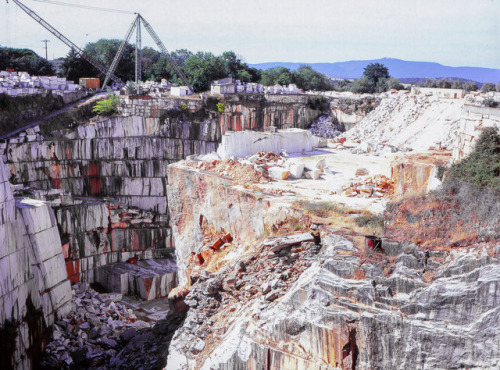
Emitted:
pixel 39 120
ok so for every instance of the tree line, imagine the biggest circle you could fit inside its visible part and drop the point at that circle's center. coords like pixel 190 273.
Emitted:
pixel 25 60
pixel 201 68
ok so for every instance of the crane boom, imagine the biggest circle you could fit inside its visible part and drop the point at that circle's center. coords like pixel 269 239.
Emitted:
pixel 64 39
pixel 164 50
pixel 138 53
pixel 120 51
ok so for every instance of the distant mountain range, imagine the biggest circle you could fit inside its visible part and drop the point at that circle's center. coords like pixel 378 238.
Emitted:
pixel 397 68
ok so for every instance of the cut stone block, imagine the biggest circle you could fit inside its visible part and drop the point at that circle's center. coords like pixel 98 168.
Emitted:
pixel 279 173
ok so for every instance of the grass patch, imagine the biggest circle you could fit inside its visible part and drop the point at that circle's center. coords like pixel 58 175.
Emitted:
pixel 320 209
pixel 370 221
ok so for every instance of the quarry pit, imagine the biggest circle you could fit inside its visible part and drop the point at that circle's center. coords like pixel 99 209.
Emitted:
pixel 176 238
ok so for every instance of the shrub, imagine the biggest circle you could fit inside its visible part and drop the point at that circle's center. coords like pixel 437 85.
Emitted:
pixel 482 166
pixel 317 103
pixel 107 106
pixel 220 107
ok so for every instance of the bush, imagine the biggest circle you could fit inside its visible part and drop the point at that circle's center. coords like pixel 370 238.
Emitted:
pixel 482 167
pixel 317 103
pixel 108 106
pixel 362 85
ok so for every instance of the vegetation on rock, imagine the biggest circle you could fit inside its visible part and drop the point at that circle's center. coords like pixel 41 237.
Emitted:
pixel 108 106
pixel 482 167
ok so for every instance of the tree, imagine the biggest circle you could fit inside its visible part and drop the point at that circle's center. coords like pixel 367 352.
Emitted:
pixel 25 60
pixel 104 52
pixel 276 75
pixel 393 83
pixel 482 166
pixel 374 72
pixel 202 68
pixel 470 86
pixel 308 79
pixel 487 87
pixel 362 85
pixel 74 67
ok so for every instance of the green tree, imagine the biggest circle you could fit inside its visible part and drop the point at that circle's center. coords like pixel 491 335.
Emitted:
pixel 393 83
pixel 308 79
pixel 374 72
pixel 75 67
pixel 202 68
pixel 25 60
pixel 244 76
pixel 104 52
pixel 362 85
pixel 470 86
pixel 276 75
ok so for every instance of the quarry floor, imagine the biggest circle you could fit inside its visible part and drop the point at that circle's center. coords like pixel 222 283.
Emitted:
pixel 340 171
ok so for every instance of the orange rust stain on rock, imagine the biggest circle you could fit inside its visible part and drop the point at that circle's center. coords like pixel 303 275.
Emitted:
pixel 93 169
pixel 54 175
pixel 73 271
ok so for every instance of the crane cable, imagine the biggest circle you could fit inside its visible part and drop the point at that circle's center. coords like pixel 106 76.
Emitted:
pixel 86 7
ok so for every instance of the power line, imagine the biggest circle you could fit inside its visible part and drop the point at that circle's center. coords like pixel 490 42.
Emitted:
pixel 86 7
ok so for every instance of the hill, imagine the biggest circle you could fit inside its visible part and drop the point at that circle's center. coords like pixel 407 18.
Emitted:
pixel 397 68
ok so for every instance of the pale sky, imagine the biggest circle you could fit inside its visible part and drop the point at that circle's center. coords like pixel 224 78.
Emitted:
pixel 450 32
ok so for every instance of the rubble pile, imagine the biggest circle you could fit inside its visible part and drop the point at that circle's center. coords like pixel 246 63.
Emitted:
pixel 216 299
pixel 233 169
pixel 326 126
pixel 374 186
pixel 102 332
pixel 261 167
pixel 407 122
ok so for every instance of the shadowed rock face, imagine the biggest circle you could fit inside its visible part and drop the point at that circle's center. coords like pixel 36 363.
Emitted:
pixel 34 289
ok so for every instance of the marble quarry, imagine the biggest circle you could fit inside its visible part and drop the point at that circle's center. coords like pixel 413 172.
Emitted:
pixel 216 262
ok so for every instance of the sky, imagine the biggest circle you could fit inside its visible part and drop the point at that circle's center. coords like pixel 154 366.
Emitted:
pixel 450 32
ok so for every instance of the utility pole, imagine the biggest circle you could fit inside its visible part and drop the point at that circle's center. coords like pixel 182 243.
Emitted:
pixel 46 49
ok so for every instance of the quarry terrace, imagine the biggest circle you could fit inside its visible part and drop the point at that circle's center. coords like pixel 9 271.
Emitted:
pixel 266 232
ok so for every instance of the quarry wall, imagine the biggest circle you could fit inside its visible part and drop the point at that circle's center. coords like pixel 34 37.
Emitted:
pixel 391 309
pixel 474 119
pixel 34 289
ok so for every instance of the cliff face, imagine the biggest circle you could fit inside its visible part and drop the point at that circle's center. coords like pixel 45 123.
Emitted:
pixel 321 303
pixel 197 198
pixel 417 173
pixel 257 113
pixel 34 291
pixel 123 157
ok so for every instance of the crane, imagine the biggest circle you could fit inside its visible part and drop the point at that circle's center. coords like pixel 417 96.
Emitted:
pixel 109 73
pixel 65 40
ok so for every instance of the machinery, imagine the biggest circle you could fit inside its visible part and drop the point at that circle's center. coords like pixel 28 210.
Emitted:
pixel 109 73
